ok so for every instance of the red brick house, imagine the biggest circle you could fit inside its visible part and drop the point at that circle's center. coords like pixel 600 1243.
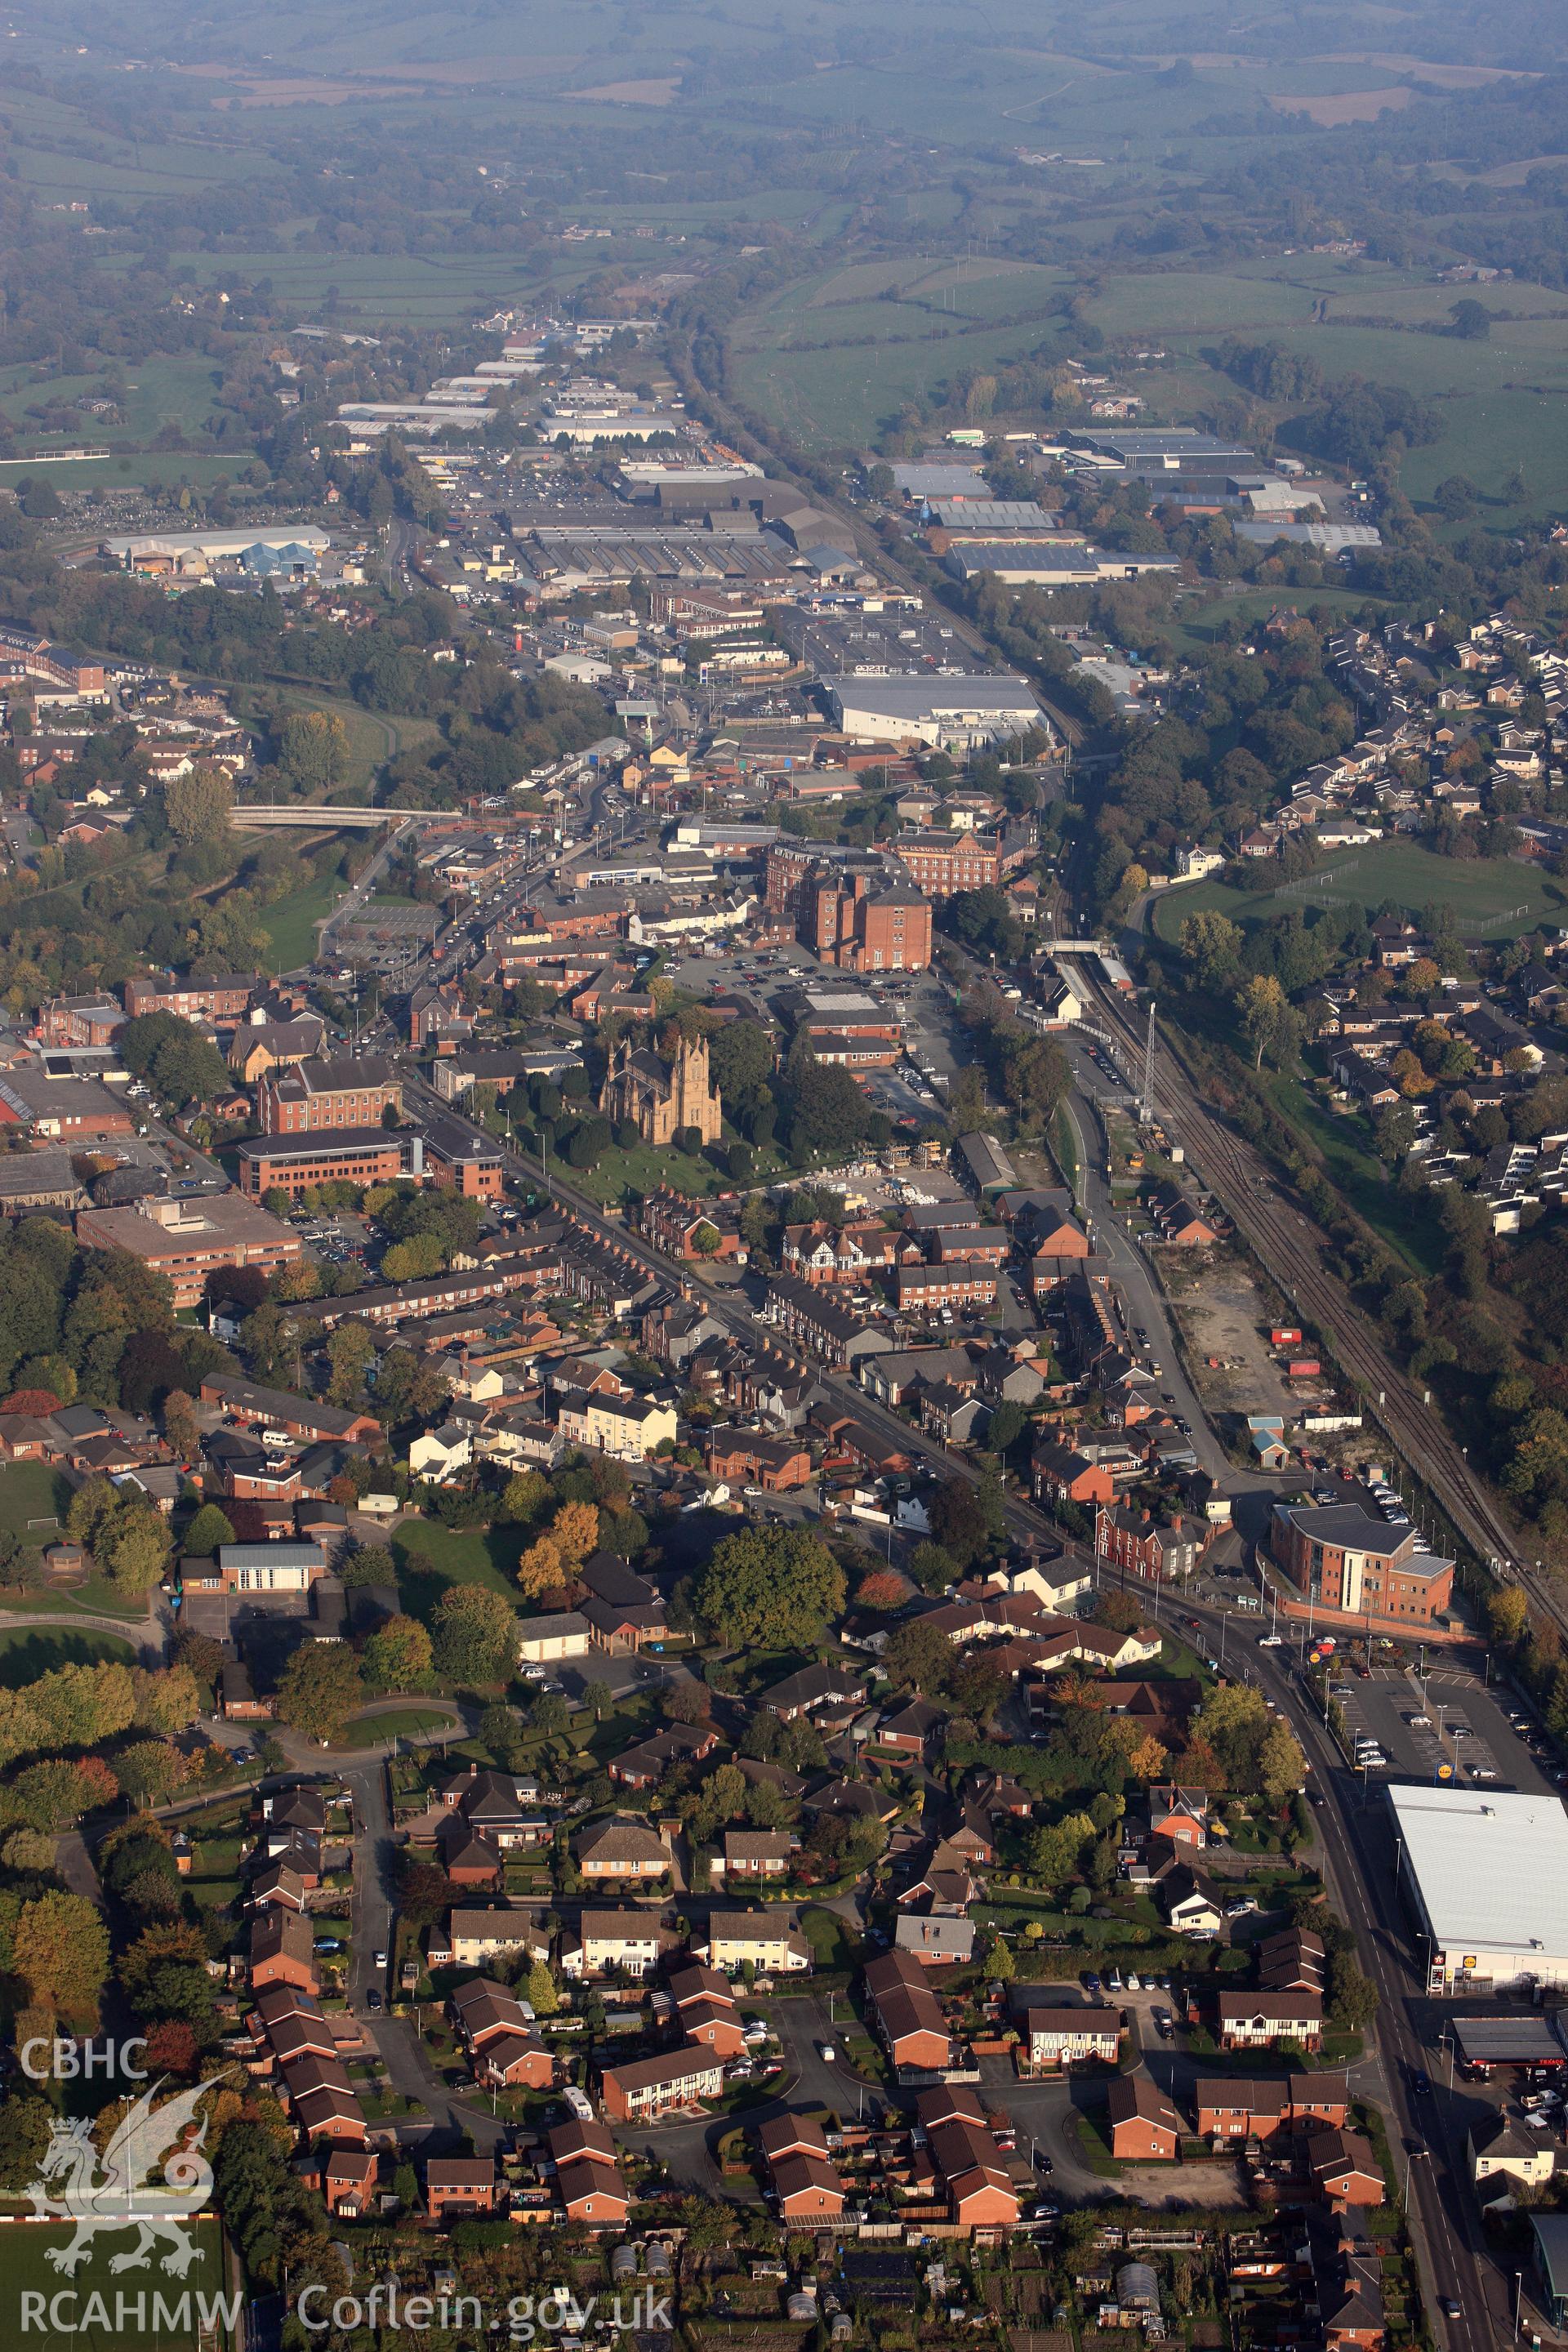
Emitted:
pixel 1145 2126
pixel 907 2013
pixel 459 2185
pixel 348 2182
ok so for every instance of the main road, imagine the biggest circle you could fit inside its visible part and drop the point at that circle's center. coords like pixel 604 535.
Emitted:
pixel 1358 1870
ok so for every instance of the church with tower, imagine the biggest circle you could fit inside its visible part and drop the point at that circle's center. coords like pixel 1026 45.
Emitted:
pixel 658 1097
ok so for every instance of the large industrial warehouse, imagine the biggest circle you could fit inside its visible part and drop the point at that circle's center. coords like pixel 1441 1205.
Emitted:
pixel 1487 1880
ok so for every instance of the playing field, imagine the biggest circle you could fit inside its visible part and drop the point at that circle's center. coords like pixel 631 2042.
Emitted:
pixel 26 1651
pixel 110 2313
pixel 1496 896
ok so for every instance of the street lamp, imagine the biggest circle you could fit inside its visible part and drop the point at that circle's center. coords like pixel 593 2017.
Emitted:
pixel 1518 2295
pixel 1410 2155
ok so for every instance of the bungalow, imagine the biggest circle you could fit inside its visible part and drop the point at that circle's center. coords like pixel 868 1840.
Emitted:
pixel 934 1939
pixel 903 1733
pixel 621 1849
pixel 1191 1903
pixel 829 1684
pixel 752 1854
pixel 469 1858
pixel 644 1766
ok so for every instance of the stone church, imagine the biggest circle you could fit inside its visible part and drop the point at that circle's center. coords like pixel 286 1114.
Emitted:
pixel 659 1097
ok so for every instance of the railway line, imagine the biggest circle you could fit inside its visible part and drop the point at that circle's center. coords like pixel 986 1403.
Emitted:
pixel 1292 1247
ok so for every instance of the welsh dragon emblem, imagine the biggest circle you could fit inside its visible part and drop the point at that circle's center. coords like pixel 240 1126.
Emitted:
pixel 117 2192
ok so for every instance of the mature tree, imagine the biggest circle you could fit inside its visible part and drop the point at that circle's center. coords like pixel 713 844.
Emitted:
pixel 1268 1020
pixel 574 1532
pixel 197 805
pixel 474 1635
pixel 53 1795
pixel 541 1568
pixel 541 1989
pixel 1211 947
pixel 524 1497
pixel 319 1690
pixel 399 1655
pixel 598 1696
pixel 352 1351
pixel 1005 1426
pixel 883 1590
pixel 176 1058
pixel 1282 1767
pixel 26 2120
pixel 150 1770
pixel 770 1588
pixel 369 1564
pixel 59 1949
pixel 920 1657
pixel 180 1424
pixel 167 1698
pixel 933 1569
pixel 958 1521
pixel 1234 1724
pixel 206 1531
pixel 1117 1611
pixel 136 1551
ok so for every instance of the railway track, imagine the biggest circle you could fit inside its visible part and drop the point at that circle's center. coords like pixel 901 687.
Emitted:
pixel 1292 1248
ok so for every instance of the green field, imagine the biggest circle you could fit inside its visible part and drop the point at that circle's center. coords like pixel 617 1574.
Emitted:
pixel 25 1652
pixel 430 1557
pixel 1503 400
pixel 34 1500
pixel 27 2274
pixel 394 1722
pixel 1496 895
pixel 1196 618
pixel 791 362
pixel 290 923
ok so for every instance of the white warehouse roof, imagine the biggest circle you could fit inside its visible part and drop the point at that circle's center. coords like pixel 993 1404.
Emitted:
pixel 1492 1870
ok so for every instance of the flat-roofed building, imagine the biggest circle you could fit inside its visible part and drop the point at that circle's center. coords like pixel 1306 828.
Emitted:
pixel 186 1240
pixel 1485 1874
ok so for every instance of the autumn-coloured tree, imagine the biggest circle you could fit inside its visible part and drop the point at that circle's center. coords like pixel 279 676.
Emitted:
pixel 1201 1768
pixel 540 1567
pixel 173 2049
pixel 574 1532
pixel 60 1949
pixel 1147 1760
pixel 883 1589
